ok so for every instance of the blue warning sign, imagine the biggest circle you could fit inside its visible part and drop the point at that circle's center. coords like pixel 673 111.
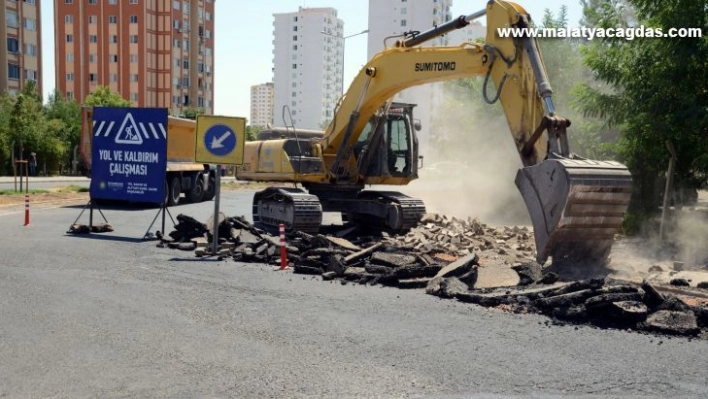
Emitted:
pixel 128 154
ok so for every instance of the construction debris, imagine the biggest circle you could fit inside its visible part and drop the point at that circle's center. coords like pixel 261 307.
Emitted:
pixel 451 258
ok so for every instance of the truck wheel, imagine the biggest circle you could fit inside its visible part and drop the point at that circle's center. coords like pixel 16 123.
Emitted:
pixel 197 192
pixel 174 192
pixel 210 192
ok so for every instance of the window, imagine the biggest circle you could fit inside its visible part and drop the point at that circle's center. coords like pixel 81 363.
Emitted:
pixel 92 19
pixel 133 1
pixel 294 28
pixel 175 4
pixel 29 1
pixel 31 49
pixel 13 71
pixel 294 46
pixel 92 77
pixel 68 19
pixel 112 19
pixel 112 2
pixel 176 24
pixel 134 97
pixel 185 64
pixel 200 67
pixel 133 19
pixel 30 74
pixel 185 7
pixel 70 95
pixel 403 11
pixel 177 63
pixel 113 58
pixel 13 45
pixel 133 38
pixel 133 58
pixel 70 58
pixel 185 100
pixel 114 38
pixel 92 58
pixel 403 22
pixel 185 82
pixel 92 2
pixel 208 52
pixel 200 102
pixel 69 38
pixel 295 38
pixel 114 77
pixel 29 23
pixel 208 34
pixel 70 77
pixel 68 1
pixel 134 77
pixel 11 19
pixel 293 103
pixel 175 43
pixel 294 66
pixel 207 16
pixel 93 39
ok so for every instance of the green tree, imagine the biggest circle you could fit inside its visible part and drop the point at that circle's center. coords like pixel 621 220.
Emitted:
pixel 104 97
pixel 64 120
pixel 655 90
pixel 191 113
pixel 252 132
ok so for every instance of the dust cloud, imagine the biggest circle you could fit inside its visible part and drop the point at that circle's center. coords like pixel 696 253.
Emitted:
pixel 685 241
pixel 470 165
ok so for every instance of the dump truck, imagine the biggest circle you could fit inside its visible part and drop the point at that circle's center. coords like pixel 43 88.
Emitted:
pixel 576 205
pixel 183 175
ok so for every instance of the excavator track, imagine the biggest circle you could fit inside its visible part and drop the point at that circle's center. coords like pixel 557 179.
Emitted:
pixel 293 207
pixel 392 210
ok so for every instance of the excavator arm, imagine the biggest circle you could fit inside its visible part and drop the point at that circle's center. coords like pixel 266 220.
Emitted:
pixel 576 205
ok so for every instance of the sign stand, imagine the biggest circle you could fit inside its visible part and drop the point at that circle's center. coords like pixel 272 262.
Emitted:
pixel 163 209
pixel 215 236
pixel 89 205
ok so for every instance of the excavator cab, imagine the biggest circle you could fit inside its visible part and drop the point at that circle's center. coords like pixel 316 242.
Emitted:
pixel 388 145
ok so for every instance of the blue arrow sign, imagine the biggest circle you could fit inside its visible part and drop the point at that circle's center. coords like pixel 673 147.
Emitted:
pixel 220 140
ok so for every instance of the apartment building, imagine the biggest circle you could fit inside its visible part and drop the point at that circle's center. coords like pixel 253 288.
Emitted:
pixel 155 53
pixel 262 105
pixel 22 45
pixel 308 51
pixel 396 17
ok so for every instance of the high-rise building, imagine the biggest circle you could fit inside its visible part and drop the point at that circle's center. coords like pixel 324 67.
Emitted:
pixel 155 53
pixel 394 18
pixel 307 74
pixel 262 105
pixel 21 45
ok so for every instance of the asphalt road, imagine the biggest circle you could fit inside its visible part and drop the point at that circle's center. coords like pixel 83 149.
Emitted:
pixel 110 316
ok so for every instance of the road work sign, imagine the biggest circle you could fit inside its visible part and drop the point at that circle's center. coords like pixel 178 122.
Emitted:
pixel 129 154
pixel 220 139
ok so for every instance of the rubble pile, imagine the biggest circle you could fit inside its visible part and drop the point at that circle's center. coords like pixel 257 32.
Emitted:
pixel 450 258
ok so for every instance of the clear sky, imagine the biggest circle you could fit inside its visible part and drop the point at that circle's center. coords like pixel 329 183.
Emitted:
pixel 244 37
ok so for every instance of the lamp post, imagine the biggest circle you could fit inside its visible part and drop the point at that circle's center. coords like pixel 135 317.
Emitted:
pixel 344 38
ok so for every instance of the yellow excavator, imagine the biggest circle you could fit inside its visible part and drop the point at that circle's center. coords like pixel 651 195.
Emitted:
pixel 576 205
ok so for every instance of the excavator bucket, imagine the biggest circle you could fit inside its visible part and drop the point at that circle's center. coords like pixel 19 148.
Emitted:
pixel 576 207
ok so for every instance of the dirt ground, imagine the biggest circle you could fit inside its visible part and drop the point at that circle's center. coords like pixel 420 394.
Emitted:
pixel 41 199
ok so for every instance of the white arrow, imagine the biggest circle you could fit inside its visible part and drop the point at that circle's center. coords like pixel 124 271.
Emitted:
pixel 216 142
